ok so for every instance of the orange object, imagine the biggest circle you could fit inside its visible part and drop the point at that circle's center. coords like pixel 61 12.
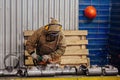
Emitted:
pixel 49 61
pixel 90 12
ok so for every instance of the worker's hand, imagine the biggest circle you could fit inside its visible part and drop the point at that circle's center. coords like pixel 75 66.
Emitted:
pixel 46 58
pixel 34 55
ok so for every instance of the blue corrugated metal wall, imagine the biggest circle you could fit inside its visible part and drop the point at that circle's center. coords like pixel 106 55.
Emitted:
pixel 114 38
pixel 98 29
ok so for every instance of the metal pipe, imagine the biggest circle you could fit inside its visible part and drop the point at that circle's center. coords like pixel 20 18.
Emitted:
pixel 81 70
pixel 34 71
pixel 68 70
pixel 94 71
pixel 110 70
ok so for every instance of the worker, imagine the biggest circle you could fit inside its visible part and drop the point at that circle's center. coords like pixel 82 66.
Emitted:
pixel 47 44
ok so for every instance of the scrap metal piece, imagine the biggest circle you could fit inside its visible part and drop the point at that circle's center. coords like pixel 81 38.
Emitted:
pixel 34 71
pixel 68 70
pixel 109 70
pixel 81 70
pixel 14 72
pixel 48 71
pixel 94 70
pixel 1 72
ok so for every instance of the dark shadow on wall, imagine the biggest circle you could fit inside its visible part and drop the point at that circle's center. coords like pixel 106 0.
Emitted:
pixel 114 36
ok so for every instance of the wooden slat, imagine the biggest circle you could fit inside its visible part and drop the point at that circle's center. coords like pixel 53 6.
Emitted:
pixel 73 61
pixel 29 61
pixel 72 52
pixel 77 60
pixel 75 57
pixel 71 42
pixel 69 60
pixel 73 37
pixel 83 46
pixel 77 32
pixel 74 42
pixel 76 52
pixel 71 57
pixel 26 53
pixel 84 56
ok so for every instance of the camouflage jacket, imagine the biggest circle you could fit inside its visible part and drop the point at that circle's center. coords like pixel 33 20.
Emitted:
pixel 38 41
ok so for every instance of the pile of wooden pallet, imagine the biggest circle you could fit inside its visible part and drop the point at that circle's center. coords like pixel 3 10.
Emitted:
pixel 76 52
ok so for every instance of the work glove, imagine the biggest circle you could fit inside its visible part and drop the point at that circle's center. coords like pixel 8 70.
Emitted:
pixel 34 55
pixel 46 58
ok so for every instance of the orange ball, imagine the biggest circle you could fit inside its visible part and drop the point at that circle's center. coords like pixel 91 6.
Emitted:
pixel 90 12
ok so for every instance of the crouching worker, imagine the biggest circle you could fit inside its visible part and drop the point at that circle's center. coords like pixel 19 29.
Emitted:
pixel 49 43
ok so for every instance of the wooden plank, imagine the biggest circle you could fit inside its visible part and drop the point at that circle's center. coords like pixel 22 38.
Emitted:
pixel 75 32
pixel 76 52
pixel 29 61
pixel 75 57
pixel 70 51
pixel 83 46
pixel 66 33
pixel 26 53
pixel 68 38
pixel 71 57
pixel 71 42
pixel 73 37
pixel 73 61
pixel 83 56
pixel 69 48
pixel 74 42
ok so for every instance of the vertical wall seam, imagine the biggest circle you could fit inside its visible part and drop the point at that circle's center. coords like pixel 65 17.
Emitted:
pixel 10 30
pixel 59 11
pixel 64 14
pixel 69 13
pixel 5 28
pixel 27 14
pixel 32 14
pixel 16 28
pixel 38 14
pixel 43 12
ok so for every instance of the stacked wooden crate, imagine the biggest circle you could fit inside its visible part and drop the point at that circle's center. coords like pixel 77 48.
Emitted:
pixel 76 52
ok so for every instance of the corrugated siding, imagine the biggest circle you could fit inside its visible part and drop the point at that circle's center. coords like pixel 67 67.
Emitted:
pixel 98 29
pixel 19 15
pixel 114 38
